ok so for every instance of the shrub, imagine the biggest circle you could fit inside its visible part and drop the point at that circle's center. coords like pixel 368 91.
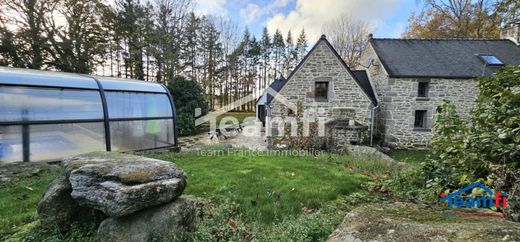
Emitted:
pixel 188 96
pixel 462 154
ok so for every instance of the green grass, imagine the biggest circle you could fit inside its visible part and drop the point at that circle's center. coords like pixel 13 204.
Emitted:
pixel 268 197
pixel 240 116
pixel 413 157
pixel 266 188
pixel 19 198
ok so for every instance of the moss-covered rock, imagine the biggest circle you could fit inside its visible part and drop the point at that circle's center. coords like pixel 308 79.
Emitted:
pixel 120 184
pixel 412 222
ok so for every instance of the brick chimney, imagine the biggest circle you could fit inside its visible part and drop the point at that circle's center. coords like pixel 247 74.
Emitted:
pixel 511 31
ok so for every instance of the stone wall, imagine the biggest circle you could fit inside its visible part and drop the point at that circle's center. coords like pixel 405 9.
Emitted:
pixel 398 101
pixel 340 136
pixel 323 65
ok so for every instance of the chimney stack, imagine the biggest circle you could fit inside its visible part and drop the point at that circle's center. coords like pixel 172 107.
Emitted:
pixel 511 31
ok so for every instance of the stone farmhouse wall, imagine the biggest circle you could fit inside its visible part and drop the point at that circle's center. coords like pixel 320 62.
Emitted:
pixel 398 102
pixel 323 65
pixel 401 102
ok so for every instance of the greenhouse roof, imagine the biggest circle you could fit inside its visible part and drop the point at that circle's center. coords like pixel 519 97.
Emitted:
pixel 19 76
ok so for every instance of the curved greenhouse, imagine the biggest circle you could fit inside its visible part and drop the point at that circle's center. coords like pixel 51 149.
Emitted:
pixel 45 116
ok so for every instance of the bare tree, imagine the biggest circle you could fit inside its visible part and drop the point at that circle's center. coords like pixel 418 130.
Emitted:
pixel 349 36
pixel 455 19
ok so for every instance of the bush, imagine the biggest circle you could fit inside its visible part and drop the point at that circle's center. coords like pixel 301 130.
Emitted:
pixel 461 154
pixel 188 96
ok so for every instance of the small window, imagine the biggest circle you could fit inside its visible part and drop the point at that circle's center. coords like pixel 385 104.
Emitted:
pixel 491 60
pixel 321 90
pixel 420 119
pixel 422 91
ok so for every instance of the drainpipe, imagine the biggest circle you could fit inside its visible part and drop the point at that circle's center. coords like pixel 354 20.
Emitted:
pixel 268 126
pixel 373 124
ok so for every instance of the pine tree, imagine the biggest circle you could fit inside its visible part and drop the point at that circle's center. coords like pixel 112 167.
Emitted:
pixel 289 55
pixel 265 45
pixel 278 52
pixel 301 46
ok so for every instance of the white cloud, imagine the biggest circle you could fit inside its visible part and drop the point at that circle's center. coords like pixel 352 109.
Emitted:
pixel 253 11
pixel 211 7
pixel 312 14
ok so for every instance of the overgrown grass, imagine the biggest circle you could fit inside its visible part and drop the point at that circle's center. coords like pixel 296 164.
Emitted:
pixel 413 157
pixel 266 188
pixel 245 196
pixel 20 196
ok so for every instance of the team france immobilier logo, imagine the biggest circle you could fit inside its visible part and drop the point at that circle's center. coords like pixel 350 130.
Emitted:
pixel 458 200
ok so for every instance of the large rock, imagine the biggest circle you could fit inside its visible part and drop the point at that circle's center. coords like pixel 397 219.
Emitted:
pixel 412 222
pixel 121 184
pixel 168 222
pixel 57 209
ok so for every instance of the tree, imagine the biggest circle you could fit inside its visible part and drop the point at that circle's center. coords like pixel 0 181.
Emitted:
pixel 76 46
pixel 29 17
pixel 9 50
pixel 189 97
pixel 301 46
pixel 508 10
pixel 265 50
pixel 278 52
pixel 130 17
pixel 454 19
pixel 289 55
pixel 349 36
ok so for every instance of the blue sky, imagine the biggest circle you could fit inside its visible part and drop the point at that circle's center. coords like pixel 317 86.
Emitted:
pixel 387 18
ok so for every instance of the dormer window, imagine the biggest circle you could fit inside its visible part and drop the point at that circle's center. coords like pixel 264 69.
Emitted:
pixel 491 60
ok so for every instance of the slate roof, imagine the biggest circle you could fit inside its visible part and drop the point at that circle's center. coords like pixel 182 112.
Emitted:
pixel 277 86
pixel 364 82
pixel 444 58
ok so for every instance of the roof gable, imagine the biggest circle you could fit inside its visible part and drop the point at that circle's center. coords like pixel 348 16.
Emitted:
pixel 367 91
pixel 446 58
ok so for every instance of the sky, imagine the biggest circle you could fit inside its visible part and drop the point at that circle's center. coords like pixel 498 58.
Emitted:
pixel 387 18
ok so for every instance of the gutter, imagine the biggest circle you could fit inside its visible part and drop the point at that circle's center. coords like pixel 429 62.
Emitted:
pixel 373 124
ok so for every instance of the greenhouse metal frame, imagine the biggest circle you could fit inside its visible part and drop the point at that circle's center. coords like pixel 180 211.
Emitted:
pixel 45 116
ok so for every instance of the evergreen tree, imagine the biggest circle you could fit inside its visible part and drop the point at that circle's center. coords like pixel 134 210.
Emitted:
pixel 278 52
pixel 289 55
pixel 77 46
pixel 301 46
pixel 265 45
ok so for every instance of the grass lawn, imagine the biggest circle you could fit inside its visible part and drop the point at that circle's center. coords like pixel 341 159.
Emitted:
pixel 413 157
pixel 267 188
pixel 262 197
pixel 240 116
pixel 19 198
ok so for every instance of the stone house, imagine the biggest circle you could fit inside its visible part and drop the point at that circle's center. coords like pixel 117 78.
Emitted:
pixel 394 90
pixel 412 76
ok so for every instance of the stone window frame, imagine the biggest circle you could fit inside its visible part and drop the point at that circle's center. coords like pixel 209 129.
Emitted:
pixel 327 93
pixel 426 96
pixel 424 126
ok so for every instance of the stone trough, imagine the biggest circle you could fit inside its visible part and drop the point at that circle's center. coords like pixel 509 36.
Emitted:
pixel 132 198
